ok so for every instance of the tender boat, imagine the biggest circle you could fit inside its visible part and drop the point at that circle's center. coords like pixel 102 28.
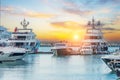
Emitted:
pixel 60 49
pixel 24 38
pixel 94 37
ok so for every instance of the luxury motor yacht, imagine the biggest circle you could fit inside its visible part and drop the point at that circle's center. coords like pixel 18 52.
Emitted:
pixel 60 49
pixel 112 60
pixel 94 39
pixel 7 52
pixel 24 38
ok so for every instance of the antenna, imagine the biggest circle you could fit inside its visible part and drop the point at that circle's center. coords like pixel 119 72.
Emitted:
pixel 89 23
pixel 24 23
pixel 98 23
pixel 93 22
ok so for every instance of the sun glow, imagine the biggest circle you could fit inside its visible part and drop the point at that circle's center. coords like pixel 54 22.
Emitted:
pixel 76 37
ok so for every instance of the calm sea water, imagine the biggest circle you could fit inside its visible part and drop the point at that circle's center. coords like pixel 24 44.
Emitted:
pixel 49 67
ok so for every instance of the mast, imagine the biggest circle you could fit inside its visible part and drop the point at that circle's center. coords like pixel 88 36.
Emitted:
pixel 24 23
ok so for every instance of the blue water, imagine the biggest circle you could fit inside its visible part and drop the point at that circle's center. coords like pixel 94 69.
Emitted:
pixel 49 67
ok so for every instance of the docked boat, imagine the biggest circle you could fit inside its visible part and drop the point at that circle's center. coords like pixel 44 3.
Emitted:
pixel 60 49
pixel 10 53
pixel 112 60
pixel 93 40
pixel 7 52
pixel 24 38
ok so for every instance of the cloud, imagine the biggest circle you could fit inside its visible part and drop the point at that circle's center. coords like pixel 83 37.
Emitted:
pixel 71 25
pixel 25 12
pixel 116 20
pixel 108 1
pixel 77 11
pixel 6 9
pixel 111 29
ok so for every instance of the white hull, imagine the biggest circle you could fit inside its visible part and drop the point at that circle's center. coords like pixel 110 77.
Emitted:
pixel 7 57
pixel 10 53
pixel 112 61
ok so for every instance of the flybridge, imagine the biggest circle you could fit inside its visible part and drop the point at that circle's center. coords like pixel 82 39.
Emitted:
pixel 23 31
pixel 24 23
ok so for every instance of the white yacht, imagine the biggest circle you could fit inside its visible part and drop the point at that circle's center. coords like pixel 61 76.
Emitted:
pixel 112 60
pixel 94 39
pixel 7 52
pixel 60 49
pixel 10 53
pixel 24 38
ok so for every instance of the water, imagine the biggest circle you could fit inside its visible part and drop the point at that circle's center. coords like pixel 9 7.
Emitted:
pixel 49 67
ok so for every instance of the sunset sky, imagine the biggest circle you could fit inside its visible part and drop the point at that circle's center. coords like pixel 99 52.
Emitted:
pixel 61 19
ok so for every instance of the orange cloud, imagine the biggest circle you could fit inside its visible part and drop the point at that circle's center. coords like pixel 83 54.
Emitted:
pixel 77 11
pixel 113 36
pixel 68 25
pixel 37 14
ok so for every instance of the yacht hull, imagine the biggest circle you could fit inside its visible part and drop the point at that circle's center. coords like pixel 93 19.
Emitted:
pixel 11 57
pixel 111 64
pixel 60 52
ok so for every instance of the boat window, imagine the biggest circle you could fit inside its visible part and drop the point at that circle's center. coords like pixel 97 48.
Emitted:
pixel 93 37
pixel 21 37
pixel 16 54
pixel 1 53
pixel 32 44
pixel 19 44
pixel 60 45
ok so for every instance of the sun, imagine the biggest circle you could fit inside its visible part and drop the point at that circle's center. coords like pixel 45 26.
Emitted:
pixel 76 37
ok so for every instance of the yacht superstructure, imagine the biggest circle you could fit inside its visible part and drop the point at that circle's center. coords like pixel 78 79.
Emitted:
pixel 94 38
pixel 24 38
